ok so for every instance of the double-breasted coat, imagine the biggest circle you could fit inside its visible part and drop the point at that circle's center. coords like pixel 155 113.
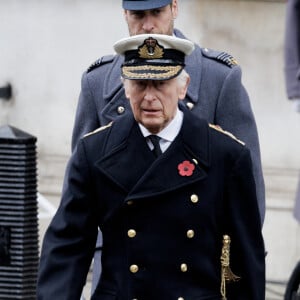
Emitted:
pixel 215 93
pixel 162 224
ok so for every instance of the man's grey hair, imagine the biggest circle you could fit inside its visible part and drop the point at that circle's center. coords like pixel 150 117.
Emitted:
pixel 183 77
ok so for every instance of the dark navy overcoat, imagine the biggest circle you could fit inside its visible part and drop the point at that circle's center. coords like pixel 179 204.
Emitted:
pixel 215 93
pixel 162 228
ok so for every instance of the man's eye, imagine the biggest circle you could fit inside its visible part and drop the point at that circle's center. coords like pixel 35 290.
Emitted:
pixel 137 14
pixel 160 83
pixel 140 84
pixel 156 12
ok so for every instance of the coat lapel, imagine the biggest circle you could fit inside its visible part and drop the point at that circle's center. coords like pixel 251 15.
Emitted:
pixel 129 162
pixel 126 155
pixel 193 63
pixel 191 145
pixel 113 84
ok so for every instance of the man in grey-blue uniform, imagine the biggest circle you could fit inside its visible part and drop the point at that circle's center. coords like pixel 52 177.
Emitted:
pixel 292 68
pixel 174 197
pixel 215 92
pixel 292 81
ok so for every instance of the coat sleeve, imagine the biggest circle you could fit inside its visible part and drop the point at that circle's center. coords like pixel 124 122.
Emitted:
pixel 292 49
pixel 86 118
pixel 69 241
pixel 234 114
pixel 247 256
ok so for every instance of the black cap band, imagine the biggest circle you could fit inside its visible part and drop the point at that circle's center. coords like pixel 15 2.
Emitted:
pixel 169 55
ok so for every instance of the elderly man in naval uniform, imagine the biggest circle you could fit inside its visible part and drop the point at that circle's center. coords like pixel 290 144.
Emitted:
pixel 174 197
pixel 215 92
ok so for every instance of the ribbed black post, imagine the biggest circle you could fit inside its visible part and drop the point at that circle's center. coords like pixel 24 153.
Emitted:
pixel 19 246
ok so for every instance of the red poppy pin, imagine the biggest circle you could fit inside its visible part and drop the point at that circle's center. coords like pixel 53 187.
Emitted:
pixel 186 168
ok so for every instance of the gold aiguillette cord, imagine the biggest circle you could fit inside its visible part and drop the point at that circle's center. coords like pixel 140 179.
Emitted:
pixel 226 274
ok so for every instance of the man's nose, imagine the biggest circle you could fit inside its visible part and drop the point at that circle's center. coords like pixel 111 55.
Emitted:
pixel 148 24
pixel 149 93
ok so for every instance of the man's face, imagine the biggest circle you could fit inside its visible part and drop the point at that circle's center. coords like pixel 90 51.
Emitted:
pixel 153 102
pixel 158 21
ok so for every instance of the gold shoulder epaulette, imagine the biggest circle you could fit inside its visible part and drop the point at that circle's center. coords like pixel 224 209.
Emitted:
pixel 98 129
pixel 219 128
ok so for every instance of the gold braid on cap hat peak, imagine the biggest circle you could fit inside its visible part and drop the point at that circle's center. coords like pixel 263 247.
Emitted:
pixel 167 72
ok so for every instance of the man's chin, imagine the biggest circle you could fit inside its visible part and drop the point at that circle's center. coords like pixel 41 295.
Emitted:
pixel 153 128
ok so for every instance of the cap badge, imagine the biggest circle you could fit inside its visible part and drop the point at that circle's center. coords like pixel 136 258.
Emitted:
pixel 151 49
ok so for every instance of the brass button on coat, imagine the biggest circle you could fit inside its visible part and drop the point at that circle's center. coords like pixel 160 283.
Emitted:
pixel 190 105
pixel 131 233
pixel 183 267
pixel 130 202
pixel 133 268
pixel 120 109
pixel 190 233
pixel 194 198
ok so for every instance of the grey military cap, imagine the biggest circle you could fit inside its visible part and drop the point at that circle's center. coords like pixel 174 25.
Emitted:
pixel 144 4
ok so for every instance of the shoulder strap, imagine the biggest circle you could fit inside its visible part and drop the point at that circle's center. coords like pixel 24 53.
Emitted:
pixel 98 129
pixel 219 128
pixel 101 61
pixel 223 57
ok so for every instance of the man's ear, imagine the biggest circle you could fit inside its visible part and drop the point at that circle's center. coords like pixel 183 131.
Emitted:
pixel 125 85
pixel 125 14
pixel 183 88
pixel 174 9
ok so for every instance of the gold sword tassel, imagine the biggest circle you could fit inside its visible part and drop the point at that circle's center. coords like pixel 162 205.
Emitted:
pixel 226 274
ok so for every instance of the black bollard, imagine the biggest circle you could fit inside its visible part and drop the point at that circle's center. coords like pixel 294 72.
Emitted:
pixel 6 92
pixel 19 246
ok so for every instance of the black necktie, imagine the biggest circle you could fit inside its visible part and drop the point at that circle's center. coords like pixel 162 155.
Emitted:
pixel 155 141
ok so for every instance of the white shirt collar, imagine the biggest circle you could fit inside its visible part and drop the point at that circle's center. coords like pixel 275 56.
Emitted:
pixel 170 132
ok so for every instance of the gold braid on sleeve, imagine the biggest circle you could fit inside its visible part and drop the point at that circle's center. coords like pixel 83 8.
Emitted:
pixel 226 274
